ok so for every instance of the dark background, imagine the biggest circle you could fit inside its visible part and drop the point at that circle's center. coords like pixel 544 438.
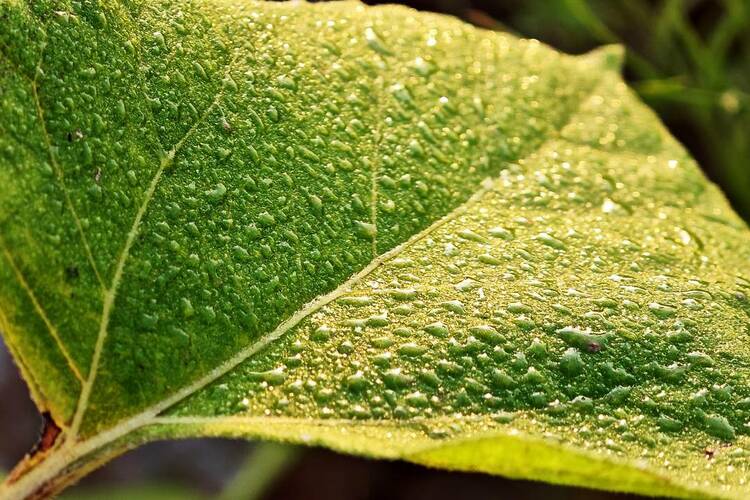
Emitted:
pixel 688 59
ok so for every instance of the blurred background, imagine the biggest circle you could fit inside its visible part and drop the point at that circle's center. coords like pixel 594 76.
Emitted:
pixel 688 59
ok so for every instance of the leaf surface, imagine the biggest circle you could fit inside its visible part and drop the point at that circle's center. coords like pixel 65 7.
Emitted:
pixel 380 231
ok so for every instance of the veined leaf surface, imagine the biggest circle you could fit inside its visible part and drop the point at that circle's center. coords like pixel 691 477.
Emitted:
pixel 384 232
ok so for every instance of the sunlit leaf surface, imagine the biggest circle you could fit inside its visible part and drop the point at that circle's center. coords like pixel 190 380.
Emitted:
pixel 371 229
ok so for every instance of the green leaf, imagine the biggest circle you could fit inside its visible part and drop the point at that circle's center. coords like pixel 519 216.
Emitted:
pixel 384 232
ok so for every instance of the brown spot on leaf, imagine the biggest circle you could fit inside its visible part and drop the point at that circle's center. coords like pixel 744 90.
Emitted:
pixel 48 436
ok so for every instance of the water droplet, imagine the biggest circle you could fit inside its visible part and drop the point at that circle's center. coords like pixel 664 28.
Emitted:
pixel 411 349
pixel 321 333
pixel 489 259
pixel 401 93
pixel 519 308
pixel 395 379
pixel 356 382
pixel 662 311
pixel 375 43
pixel 454 306
pixel 217 193
pixel 438 329
pixel 266 219
pixel 571 363
pixel 422 67
pixel 470 235
pixel 550 241
pixel 403 294
pixel 466 285
pixel 500 232
pixel 355 300
pixel 365 230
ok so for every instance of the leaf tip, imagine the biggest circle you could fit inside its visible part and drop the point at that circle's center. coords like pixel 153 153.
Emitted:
pixel 608 57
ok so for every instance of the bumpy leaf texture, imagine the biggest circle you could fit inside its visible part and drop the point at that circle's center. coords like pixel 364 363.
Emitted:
pixel 371 229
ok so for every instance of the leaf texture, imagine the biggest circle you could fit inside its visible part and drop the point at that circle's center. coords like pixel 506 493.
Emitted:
pixel 380 231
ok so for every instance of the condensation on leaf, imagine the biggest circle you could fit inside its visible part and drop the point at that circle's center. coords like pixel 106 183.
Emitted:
pixel 274 220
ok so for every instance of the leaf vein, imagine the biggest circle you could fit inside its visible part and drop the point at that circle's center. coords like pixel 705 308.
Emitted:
pixel 41 312
pixel 321 301
pixel 58 170
pixel 60 173
pixel 145 416
pixel 111 293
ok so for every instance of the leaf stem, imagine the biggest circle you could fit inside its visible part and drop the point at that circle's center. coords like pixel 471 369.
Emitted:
pixel 265 463
pixel 41 477
pixel 31 480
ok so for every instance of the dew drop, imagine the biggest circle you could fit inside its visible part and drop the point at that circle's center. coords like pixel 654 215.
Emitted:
pixel 375 43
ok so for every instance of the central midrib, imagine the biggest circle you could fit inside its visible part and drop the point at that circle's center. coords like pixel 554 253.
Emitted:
pixel 322 300
pixel 73 450
pixel 284 326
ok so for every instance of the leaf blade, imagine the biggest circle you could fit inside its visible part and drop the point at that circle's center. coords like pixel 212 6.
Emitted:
pixel 221 290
